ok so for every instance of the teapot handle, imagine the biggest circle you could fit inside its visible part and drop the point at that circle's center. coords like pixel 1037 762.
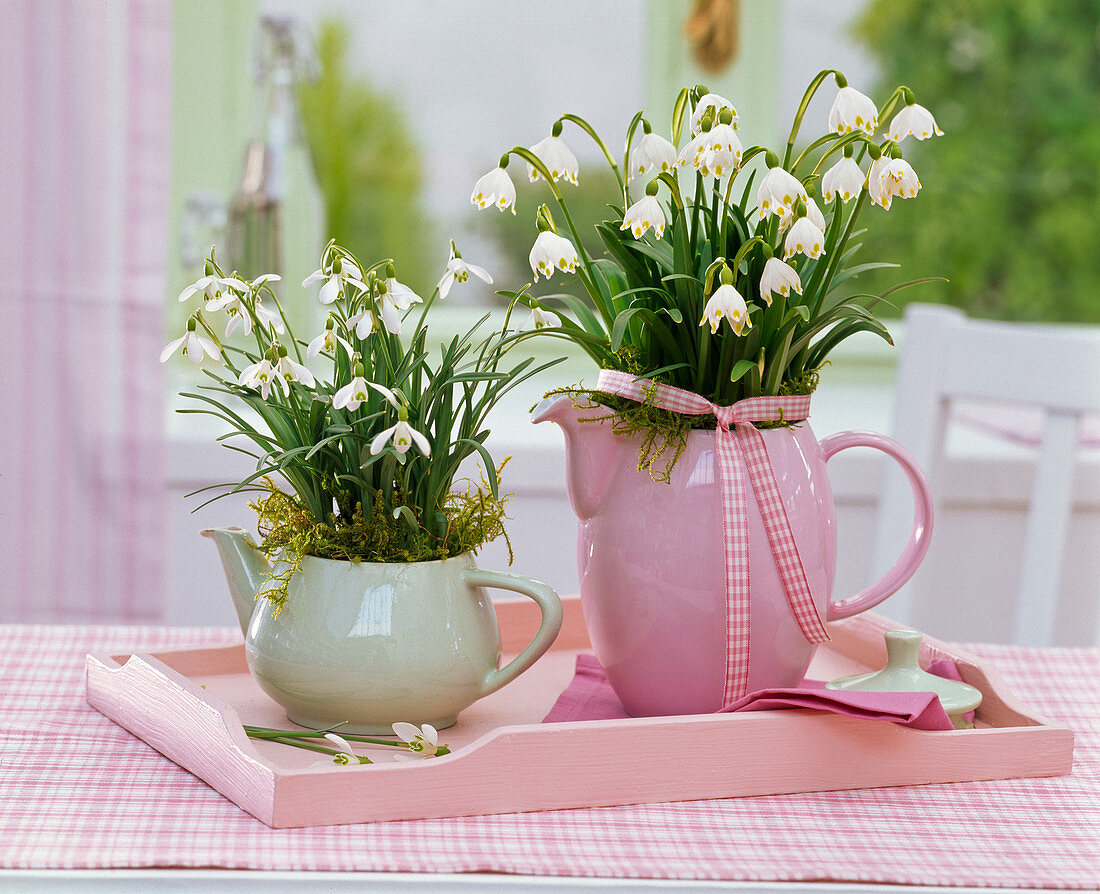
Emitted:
pixel 552 614
pixel 919 539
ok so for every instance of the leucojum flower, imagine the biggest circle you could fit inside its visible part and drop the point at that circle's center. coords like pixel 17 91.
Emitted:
pixel 726 304
pixel 654 153
pixel 551 251
pixel 645 214
pixel 495 189
pixel 782 229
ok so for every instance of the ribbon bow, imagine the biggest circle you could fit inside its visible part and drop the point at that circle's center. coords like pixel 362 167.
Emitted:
pixel 741 454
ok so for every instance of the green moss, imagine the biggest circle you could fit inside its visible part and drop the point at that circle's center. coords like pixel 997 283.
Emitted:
pixel 662 434
pixel 289 532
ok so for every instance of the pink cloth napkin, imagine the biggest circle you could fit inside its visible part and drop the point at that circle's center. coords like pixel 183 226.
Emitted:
pixel 590 697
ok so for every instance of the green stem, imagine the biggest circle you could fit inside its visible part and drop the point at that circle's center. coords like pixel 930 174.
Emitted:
pixel 591 131
pixel 802 107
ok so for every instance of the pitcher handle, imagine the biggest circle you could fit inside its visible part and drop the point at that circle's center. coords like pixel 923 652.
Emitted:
pixel 552 615
pixel 919 539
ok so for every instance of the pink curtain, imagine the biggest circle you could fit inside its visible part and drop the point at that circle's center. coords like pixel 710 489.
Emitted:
pixel 85 130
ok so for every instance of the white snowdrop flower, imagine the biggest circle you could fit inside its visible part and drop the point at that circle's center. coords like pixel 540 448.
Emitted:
pixel 345 755
pixel 270 316
pixel 459 270
pixel 290 371
pixel 403 437
pixel 212 286
pixel 899 178
pixel 652 153
pixel 393 300
pixel 422 741
pixel 495 189
pixel 778 192
pixel 362 323
pixel 357 391
pixel 711 104
pixel 344 272
pixel 233 305
pixel 778 278
pixel 192 345
pixel 643 215
pixel 540 319
pixel 261 376
pixel 549 251
pixel 845 179
pixel 806 238
pixel 853 111
pixel 913 120
pixel 558 159
pixel 726 303
pixel 327 341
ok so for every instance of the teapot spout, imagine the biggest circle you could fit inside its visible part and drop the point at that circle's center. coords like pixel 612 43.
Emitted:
pixel 246 569
pixel 591 450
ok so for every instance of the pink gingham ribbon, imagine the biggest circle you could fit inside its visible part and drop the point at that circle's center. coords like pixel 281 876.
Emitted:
pixel 741 453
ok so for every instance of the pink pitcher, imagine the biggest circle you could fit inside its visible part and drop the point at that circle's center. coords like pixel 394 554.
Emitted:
pixel 651 559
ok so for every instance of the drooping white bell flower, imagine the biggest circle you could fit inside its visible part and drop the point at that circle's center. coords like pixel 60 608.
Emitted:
pixel 558 159
pixel 726 303
pixel 357 391
pixel 878 190
pixel 694 152
pixel 290 371
pixel 327 341
pixel 422 741
pixel 212 286
pixel 652 153
pixel 346 755
pixel 270 316
pixel 778 192
pixel 899 178
pixel 845 179
pixel 459 271
pixel 643 215
pixel 495 189
pixel 913 120
pixel 806 238
pixel 403 437
pixel 812 212
pixel 722 154
pixel 779 278
pixel 540 319
pixel 853 111
pixel 552 251
pixel 233 305
pixel 362 323
pixel 192 345
pixel 394 299
pixel 711 104
pixel 261 375
pixel 344 272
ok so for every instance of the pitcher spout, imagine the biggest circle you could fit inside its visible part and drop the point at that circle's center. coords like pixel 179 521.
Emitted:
pixel 246 569
pixel 591 450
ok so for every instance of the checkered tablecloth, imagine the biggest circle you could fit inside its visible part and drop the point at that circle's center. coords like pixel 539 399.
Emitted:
pixel 77 791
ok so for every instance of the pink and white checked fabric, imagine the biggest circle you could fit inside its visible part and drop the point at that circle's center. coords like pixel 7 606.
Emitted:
pixel 741 457
pixel 79 792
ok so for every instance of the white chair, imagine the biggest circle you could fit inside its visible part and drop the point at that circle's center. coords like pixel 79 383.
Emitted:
pixel 945 357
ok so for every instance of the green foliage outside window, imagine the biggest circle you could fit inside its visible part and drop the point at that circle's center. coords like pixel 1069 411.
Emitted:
pixel 1011 194
pixel 367 164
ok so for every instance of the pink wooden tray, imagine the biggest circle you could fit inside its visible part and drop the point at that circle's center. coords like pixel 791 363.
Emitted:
pixel 190 706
